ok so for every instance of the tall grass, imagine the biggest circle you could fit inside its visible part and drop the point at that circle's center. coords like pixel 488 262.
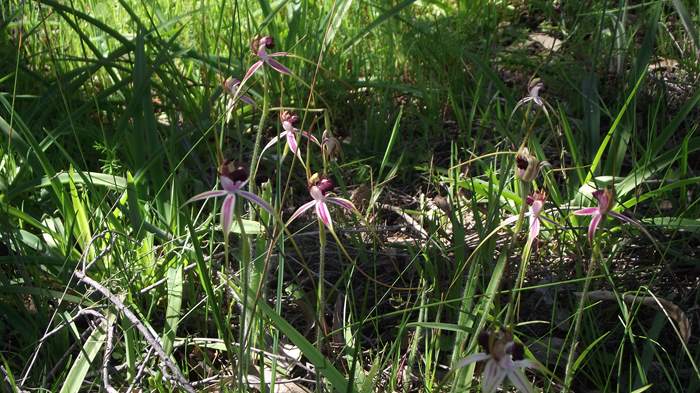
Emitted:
pixel 114 115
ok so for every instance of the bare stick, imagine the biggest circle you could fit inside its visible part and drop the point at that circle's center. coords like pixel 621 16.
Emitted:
pixel 152 341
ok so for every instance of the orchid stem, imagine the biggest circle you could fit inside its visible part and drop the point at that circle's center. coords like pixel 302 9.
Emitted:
pixel 320 301
pixel 524 190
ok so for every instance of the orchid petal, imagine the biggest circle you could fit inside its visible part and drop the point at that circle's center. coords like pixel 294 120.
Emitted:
pixel 227 213
pixel 301 210
pixel 247 100
pixel 272 142
pixel 534 227
pixel 311 137
pixel 277 66
pixel 588 211
pixel 525 363
pixel 292 142
pixel 324 215
pixel 255 199
pixel 593 226
pixel 623 218
pixel 207 195
pixel 342 202
pixel 477 357
pixel 252 70
pixel 278 54
pixel 493 377
pixel 316 194
pixel 520 381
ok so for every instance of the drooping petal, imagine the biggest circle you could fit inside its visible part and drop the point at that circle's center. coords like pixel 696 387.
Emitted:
pixel 520 381
pixel 255 199
pixel 623 218
pixel 311 137
pixel 207 195
pixel 277 66
pixel 477 357
pixel 534 226
pixel 493 377
pixel 593 226
pixel 247 100
pixel 272 142
pixel 588 211
pixel 342 202
pixel 278 54
pixel 227 210
pixel 301 210
pixel 324 215
pixel 292 142
pixel 252 70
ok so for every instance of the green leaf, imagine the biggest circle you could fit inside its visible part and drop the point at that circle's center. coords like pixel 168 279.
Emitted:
pixel 81 365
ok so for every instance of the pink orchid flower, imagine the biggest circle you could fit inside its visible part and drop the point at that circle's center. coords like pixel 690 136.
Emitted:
pixel 320 193
pixel 231 87
pixel 536 202
pixel 259 47
pixel 289 121
pixel 232 179
pixel 504 358
pixel 606 201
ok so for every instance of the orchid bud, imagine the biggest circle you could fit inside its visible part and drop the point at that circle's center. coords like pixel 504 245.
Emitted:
pixel 330 145
pixel 534 88
pixel 528 166
pixel 233 172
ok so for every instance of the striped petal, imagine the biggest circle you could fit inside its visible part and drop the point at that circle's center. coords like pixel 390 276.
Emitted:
pixel 588 211
pixel 272 142
pixel 324 215
pixel 255 199
pixel 493 377
pixel 477 357
pixel 534 227
pixel 311 137
pixel 520 381
pixel 278 54
pixel 252 70
pixel 207 195
pixel 292 142
pixel 301 210
pixel 593 226
pixel 277 66
pixel 227 213
pixel 342 202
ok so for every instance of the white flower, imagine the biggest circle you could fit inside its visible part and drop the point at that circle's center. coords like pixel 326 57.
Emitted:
pixel 504 358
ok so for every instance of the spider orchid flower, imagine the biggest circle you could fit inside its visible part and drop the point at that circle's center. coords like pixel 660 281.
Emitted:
pixel 289 121
pixel 231 88
pixel 259 47
pixel 536 202
pixel 320 192
pixel 527 165
pixel 504 358
pixel 330 146
pixel 606 201
pixel 533 95
pixel 233 178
